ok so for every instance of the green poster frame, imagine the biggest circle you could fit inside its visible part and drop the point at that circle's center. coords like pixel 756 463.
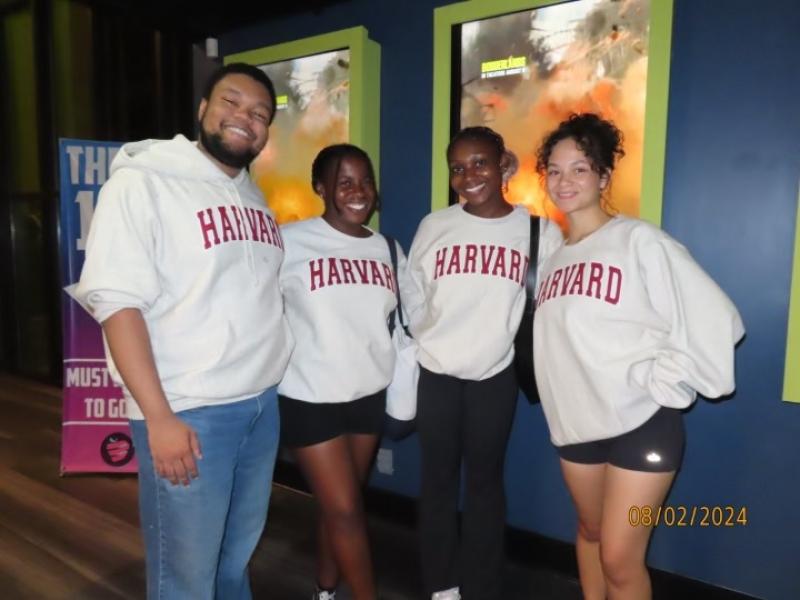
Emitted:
pixel 791 372
pixel 660 40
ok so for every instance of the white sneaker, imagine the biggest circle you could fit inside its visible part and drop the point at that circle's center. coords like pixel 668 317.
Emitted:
pixel 323 595
pixel 451 594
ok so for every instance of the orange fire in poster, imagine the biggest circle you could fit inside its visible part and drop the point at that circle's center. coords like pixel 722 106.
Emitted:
pixel 290 198
pixel 600 68
pixel 316 115
pixel 526 189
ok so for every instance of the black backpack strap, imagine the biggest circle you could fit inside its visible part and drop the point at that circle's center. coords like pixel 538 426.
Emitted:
pixel 530 280
pixel 523 342
pixel 393 255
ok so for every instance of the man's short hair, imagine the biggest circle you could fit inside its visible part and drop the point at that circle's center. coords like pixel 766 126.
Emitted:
pixel 243 69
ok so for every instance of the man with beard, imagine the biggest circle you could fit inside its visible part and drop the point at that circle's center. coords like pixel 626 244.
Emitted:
pixel 181 270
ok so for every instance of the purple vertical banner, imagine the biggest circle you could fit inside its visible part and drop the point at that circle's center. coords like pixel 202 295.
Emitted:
pixel 95 436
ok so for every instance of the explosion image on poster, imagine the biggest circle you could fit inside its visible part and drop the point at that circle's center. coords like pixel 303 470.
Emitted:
pixel 312 112
pixel 523 73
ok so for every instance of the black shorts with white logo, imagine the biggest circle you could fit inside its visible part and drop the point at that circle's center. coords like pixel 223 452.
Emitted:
pixel 656 446
pixel 308 423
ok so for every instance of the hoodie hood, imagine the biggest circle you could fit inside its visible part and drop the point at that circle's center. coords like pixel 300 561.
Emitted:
pixel 178 157
pixel 198 254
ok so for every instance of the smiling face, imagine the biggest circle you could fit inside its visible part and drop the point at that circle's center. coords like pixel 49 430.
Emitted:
pixel 234 122
pixel 476 175
pixel 574 186
pixel 348 190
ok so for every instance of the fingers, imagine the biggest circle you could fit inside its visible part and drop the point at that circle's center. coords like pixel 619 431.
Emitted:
pixel 168 471
pixel 175 447
pixel 179 470
pixel 189 468
pixel 194 442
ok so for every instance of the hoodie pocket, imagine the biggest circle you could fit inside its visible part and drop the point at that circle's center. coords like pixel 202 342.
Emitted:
pixel 186 357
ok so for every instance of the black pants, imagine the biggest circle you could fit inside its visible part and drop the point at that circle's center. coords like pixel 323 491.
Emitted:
pixel 465 420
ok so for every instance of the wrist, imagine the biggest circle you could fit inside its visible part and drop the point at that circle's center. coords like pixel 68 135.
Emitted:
pixel 158 414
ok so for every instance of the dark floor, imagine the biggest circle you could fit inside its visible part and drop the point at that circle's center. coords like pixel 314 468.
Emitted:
pixel 77 537
pixel 284 564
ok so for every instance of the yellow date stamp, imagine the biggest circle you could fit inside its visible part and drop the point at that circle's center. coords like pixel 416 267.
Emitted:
pixel 687 516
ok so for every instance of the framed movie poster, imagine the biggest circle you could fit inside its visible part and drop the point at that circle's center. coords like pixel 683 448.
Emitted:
pixel 522 66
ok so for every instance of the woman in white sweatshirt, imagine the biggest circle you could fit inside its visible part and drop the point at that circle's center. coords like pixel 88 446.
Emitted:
pixel 628 329
pixel 339 289
pixel 467 267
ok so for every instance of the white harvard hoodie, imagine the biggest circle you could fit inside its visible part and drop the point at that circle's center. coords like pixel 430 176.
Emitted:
pixel 198 253
pixel 626 321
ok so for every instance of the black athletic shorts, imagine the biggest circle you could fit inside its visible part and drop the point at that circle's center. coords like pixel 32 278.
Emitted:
pixel 308 423
pixel 655 446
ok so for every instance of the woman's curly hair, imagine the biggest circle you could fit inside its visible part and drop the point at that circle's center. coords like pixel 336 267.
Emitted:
pixel 600 140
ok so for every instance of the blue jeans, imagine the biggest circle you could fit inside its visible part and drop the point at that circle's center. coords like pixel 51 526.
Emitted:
pixel 199 538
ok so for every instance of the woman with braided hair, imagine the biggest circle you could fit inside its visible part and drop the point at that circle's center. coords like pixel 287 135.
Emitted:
pixel 338 287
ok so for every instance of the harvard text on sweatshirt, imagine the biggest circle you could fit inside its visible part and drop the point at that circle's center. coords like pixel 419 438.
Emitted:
pixel 627 321
pixel 338 291
pixel 466 289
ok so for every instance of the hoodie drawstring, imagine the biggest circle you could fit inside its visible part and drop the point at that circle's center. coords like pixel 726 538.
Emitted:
pixel 248 245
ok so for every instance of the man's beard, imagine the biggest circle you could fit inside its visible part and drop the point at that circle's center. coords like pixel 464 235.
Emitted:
pixel 214 145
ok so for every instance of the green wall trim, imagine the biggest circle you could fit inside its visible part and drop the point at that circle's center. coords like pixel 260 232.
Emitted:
pixel 791 373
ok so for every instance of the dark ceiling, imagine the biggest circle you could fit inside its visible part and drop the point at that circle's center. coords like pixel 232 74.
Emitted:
pixel 201 19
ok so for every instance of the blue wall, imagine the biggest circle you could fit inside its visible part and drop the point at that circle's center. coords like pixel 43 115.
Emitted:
pixel 733 161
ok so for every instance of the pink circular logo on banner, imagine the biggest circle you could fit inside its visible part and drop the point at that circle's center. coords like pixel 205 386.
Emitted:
pixel 117 449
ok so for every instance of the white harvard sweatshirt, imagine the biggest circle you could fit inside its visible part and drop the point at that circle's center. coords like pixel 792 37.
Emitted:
pixel 338 291
pixel 626 322
pixel 466 288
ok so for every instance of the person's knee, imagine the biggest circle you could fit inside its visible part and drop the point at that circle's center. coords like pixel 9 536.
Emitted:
pixel 620 565
pixel 589 531
pixel 344 518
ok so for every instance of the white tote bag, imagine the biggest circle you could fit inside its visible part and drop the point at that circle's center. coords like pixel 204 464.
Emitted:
pixel 401 395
